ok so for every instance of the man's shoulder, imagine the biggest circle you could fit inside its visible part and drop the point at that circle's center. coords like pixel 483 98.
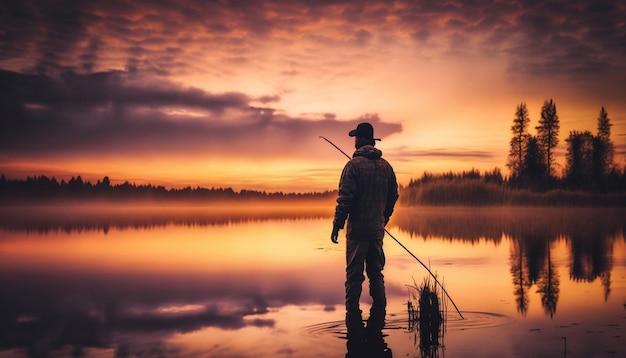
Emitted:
pixel 363 159
pixel 362 163
pixel 386 162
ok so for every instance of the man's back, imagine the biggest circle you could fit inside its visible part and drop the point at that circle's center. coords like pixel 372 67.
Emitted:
pixel 367 194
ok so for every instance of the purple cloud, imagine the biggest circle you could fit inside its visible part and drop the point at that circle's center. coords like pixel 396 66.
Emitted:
pixel 111 113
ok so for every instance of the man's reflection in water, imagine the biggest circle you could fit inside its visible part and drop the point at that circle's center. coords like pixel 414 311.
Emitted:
pixel 367 340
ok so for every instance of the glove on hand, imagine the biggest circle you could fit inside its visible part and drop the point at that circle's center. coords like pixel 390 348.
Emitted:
pixel 334 236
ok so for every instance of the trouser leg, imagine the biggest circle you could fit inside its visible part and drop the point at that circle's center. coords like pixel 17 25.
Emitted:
pixel 356 252
pixel 375 262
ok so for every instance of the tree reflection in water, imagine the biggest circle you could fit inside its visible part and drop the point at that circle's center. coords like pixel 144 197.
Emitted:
pixel 590 233
pixel 592 258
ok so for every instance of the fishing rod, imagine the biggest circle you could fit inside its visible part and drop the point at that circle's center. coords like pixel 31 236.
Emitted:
pixel 404 247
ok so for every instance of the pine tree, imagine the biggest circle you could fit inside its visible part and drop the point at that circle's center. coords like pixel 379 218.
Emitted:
pixel 533 167
pixel 518 141
pixel 579 159
pixel 604 150
pixel 604 124
pixel 548 132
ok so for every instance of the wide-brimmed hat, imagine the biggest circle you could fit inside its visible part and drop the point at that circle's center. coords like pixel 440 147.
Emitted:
pixel 364 130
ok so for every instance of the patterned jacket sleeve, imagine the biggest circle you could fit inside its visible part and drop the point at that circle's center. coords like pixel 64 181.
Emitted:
pixel 392 196
pixel 347 192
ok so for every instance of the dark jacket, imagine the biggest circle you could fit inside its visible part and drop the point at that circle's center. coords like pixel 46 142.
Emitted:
pixel 368 192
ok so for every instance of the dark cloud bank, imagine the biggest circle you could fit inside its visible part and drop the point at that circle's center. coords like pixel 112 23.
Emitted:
pixel 111 112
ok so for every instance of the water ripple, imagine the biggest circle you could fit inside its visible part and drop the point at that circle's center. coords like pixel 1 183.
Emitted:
pixel 399 321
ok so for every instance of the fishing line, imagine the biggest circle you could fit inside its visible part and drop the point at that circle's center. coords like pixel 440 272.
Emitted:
pixel 404 247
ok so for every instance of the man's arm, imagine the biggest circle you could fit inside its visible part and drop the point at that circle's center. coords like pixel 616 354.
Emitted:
pixel 347 191
pixel 392 195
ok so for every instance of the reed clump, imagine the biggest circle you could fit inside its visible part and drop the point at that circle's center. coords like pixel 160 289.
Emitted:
pixel 426 311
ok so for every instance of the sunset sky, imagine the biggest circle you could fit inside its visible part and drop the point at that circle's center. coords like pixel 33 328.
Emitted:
pixel 237 93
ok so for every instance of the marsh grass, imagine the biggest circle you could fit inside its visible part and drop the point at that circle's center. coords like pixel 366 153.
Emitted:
pixel 427 316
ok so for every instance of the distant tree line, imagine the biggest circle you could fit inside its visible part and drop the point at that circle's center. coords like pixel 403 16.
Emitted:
pixel 43 187
pixel 589 177
pixel 589 160
pixel 492 188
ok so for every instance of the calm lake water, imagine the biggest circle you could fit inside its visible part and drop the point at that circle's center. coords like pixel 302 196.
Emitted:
pixel 265 281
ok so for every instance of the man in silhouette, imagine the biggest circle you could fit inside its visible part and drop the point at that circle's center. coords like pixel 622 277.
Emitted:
pixel 368 192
